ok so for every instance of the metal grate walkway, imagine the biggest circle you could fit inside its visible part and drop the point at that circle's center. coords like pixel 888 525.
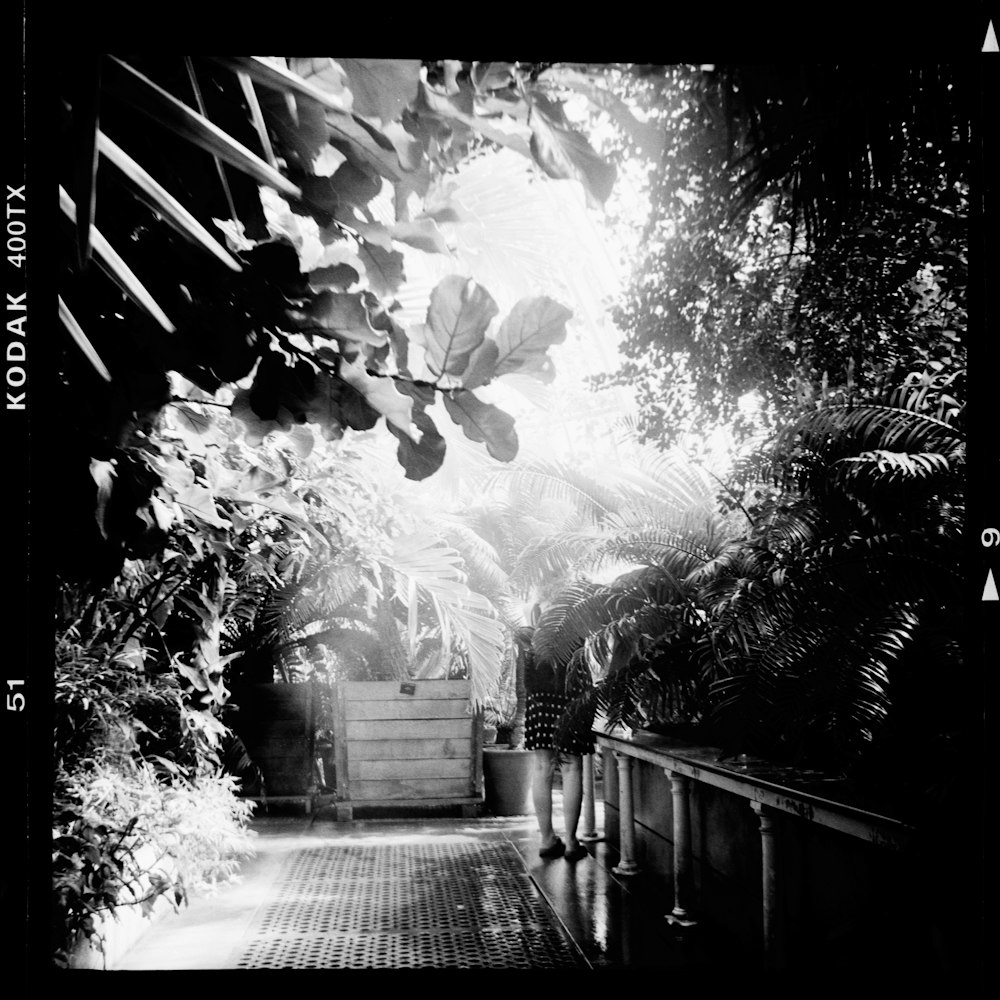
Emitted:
pixel 446 905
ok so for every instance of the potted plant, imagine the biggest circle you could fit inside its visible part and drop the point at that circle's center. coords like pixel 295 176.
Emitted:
pixel 491 725
pixel 507 767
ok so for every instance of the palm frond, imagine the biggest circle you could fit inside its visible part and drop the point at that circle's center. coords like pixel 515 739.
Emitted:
pixel 841 431
pixel 790 522
pixel 481 560
pixel 653 542
pixel 438 571
pixel 881 469
pixel 582 610
pixel 555 555
pixel 823 138
pixel 536 482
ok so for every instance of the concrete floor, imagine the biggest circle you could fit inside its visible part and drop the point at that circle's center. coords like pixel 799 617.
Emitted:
pixel 615 923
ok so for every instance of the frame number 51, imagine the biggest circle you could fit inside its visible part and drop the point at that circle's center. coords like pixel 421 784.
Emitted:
pixel 15 699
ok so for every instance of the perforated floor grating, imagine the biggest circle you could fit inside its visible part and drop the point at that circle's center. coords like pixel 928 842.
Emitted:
pixel 465 905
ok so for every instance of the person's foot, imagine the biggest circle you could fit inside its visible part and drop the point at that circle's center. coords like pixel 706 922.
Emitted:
pixel 575 851
pixel 553 850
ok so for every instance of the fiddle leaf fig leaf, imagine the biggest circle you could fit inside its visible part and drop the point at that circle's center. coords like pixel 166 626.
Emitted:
pixel 344 315
pixel 381 394
pixel 355 411
pixel 350 185
pixel 335 276
pixel 564 153
pixel 483 422
pixel 324 74
pixel 382 88
pixel 482 367
pixel 256 428
pixel 423 234
pixel 459 314
pixel 488 76
pixel 375 234
pixel 422 456
pixel 356 138
pixel 384 269
pixel 650 138
pixel 408 147
pixel 532 326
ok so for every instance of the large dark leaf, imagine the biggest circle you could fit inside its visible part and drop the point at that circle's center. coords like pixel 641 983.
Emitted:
pixel 566 154
pixel 483 422
pixel 457 319
pixel 344 315
pixel 381 394
pixel 649 138
pixel 382 88
pixel 384 269
pixel 532 326
pixel 482 365
pixel 458 111
pixel 420 457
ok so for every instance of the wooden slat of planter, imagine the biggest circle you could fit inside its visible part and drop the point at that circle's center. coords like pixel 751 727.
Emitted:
pixel 382 691
pixel 411 788
pixel 397 749
pixel 340 741
pixel 407 729
pixel 409 708
pixel 380 770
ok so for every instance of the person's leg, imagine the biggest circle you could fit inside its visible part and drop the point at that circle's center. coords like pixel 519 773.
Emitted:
pixel 572 787
pixel 542 772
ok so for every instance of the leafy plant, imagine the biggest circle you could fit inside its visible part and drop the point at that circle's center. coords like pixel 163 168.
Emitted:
pixel 809 635
pixel 804 237
pixel 229 284
pixel 140 808
pixel 124 837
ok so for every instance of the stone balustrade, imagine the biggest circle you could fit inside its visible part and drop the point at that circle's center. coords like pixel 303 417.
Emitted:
pixel 769 791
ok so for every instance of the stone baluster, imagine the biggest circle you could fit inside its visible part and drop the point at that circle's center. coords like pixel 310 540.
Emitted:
pixel 588 814
pixel 683 868
pixel 770 937
pixel 626 817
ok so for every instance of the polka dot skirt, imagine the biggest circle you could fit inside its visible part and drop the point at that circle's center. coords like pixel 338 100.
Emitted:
pixel 542 715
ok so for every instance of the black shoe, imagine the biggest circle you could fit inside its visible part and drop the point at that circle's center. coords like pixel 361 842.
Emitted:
pixel 577 853
pixel 556 850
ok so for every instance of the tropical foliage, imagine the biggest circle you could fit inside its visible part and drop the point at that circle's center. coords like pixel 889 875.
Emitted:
pixel 808 228
pixel 233 371
pixel 801 611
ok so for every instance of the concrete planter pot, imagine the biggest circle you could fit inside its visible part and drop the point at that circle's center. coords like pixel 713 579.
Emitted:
pixel 507 781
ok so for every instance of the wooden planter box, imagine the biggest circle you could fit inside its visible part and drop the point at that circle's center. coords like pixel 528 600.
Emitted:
pixel 277 724
pixel 413 745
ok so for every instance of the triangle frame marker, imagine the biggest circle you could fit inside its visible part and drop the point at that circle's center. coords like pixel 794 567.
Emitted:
pixel 990 43
pixel 990 590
